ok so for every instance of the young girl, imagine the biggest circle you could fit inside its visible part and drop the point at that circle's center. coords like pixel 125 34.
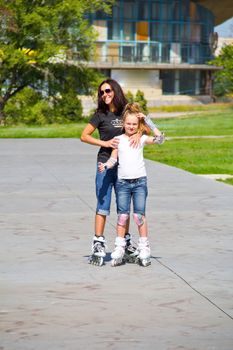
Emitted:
pixel 131 184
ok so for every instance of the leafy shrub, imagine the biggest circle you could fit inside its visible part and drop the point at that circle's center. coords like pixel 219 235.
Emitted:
pixel 139 98
pixel 27 107
pixel 67 108
pixel 223 78
pixel 129 97
pixel 30 108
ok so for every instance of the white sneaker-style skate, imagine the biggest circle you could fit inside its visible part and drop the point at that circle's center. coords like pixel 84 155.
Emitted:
pixel 119 252
pixel 144 252
pixel 98 251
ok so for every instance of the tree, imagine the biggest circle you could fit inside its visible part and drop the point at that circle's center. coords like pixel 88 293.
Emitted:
pixel 223 79
pixel 40 37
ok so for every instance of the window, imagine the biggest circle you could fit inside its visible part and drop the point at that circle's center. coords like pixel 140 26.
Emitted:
pixel 154 31
pixel 143 52
pixel 113 30
pixel 185 32
pixel 168 81
pixel 154 49
pixel 128 7
pixel 175 10
pixel 128 31
pixel 143 10
pixel 187 82
pixel 165 53
pixel 116 12
pixel 176 32
pixel 127 53
pixel 184 10
pixel 166 32
pixel 165 11
pixel 195 32
pixel 155 10
pixel 184 53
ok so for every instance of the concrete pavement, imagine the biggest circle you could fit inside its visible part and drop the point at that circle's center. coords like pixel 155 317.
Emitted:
pixel 52 299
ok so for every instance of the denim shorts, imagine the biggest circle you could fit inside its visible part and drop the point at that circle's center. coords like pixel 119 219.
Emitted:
pixel 104 183
pixel 135 189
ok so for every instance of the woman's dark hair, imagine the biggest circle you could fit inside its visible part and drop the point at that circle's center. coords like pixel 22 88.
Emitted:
pixel 119 99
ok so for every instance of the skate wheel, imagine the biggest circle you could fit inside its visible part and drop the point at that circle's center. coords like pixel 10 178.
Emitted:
pixel 131 259
pixel 116 262
pixel 113 263
pixel 145 262
pixel 96 260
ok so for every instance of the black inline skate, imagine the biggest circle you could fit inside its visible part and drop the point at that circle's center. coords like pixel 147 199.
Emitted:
pixel 98 251
pixel 131 252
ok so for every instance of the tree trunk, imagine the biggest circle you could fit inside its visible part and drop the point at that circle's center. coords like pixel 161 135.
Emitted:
pixel 2 115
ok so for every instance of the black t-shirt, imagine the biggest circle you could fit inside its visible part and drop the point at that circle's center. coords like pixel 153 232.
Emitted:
pixel 109 125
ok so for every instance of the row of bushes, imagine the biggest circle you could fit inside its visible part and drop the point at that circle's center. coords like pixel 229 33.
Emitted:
pixel 29 107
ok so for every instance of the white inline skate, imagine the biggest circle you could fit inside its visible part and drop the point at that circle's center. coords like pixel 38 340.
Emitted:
pixel 119 252
pixel 131 252
pixel 144 252
pixel 98 251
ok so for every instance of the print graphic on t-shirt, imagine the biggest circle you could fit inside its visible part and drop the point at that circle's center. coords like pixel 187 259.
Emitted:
pixel 117 123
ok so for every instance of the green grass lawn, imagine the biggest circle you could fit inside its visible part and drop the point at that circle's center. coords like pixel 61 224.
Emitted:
pixel 198 155
pixel 48 131
pixel 191 108
pixel 207 123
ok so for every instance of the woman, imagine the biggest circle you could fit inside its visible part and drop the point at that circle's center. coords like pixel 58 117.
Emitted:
pixel 108 120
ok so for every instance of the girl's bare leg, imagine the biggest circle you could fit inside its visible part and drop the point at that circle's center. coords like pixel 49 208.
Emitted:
pixel 121 231
pixel 142 229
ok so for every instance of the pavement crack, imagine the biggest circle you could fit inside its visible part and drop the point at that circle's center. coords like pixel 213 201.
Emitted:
pixel 194 289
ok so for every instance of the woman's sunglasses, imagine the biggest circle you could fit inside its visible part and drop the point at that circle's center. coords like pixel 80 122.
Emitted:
pixel 106 90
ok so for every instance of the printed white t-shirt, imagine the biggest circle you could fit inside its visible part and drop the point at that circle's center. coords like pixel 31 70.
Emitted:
pixel 131 163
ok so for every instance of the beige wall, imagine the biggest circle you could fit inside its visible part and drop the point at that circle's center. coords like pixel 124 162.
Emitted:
pixel 133 80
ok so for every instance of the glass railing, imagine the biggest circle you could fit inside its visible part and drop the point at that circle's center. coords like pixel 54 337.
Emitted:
pixel 115 53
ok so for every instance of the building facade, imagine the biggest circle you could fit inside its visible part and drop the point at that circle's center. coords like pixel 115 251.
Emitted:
pixel 160 47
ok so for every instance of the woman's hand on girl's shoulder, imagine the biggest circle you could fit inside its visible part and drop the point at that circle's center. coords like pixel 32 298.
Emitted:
pixel 113 143
pixel 134 140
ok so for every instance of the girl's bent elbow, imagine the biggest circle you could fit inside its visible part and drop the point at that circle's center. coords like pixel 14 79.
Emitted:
pixel 83 138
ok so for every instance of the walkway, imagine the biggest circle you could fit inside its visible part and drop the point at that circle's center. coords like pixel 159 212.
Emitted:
pixel 52 299
pixel 161 115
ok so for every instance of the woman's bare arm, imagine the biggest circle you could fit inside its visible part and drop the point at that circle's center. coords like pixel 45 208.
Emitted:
pixel 88 138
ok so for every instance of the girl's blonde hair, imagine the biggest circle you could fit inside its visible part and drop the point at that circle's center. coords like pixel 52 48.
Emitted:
pixel 134 109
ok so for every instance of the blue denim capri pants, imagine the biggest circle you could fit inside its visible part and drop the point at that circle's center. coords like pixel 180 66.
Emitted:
pixel 105 182
pixel 135 190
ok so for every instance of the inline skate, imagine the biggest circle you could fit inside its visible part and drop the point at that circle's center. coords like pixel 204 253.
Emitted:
pixel 144 252
pixel 119 252
pixel 131 252
pixel 98 251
